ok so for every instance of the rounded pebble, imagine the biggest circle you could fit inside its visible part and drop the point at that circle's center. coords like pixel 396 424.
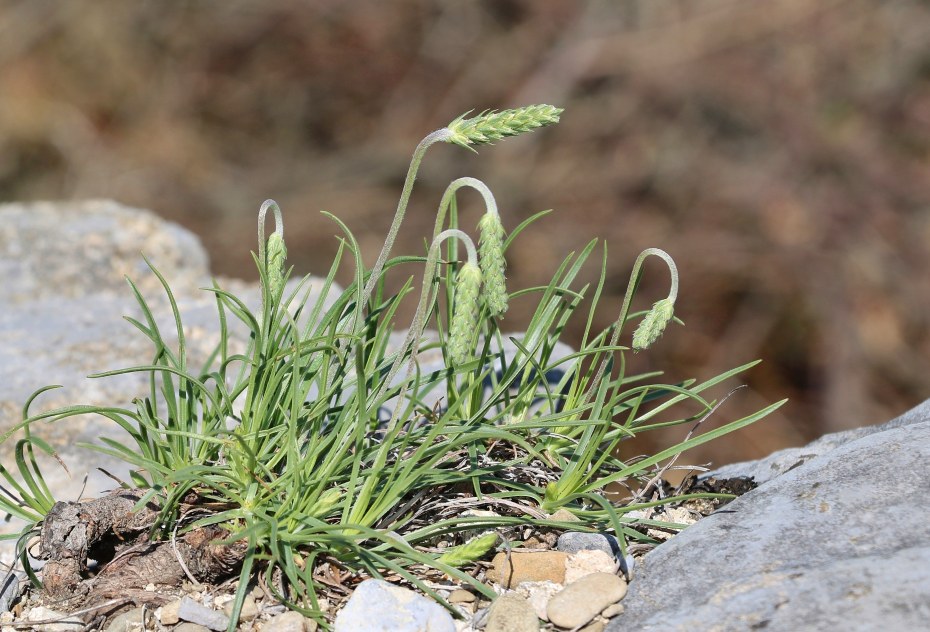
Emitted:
pixel 581 601
pixel 169 612
pixel 461 596
pixel 248 611
pixel 512 613
pixel 290 621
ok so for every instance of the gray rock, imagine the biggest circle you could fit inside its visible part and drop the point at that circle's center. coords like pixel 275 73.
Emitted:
pixel 837 537
pixel 10 585
pixel 62 302
pixel 378 606
pixel 194 612
pixel 778 463
pixel 574 541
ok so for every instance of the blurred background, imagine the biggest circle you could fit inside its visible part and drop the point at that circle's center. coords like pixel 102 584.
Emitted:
pixel 778 150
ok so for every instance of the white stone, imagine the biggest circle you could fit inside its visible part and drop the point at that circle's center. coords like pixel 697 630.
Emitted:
pixel 378 606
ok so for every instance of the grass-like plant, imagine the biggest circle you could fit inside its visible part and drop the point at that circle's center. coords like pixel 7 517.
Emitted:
pixel 287 444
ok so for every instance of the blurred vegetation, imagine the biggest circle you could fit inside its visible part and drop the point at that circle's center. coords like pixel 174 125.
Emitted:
pixel 779 151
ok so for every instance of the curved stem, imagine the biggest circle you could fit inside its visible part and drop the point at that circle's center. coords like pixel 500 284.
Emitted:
pixel 411 340
pixel 418 325
pixel 624 310
pixel 439 135
pixel 278 225
pixel 490 203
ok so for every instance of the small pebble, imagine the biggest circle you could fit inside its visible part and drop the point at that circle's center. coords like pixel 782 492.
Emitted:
pixel 290 621
pixel 528 567
pixel 581 601
pixel 249 608
pixel 512 613
pixel 586 562
pixel 169 612
pixel 379 606
pixel 461 596
pixel 612 611
pixel 193 612
pixel 67 624
pixel 128 621
pixel 574 541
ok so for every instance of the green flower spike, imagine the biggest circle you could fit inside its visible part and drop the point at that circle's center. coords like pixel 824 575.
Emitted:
pixel 471 551
pixel 490 126
pixel 491 251
pixel 277 253
pixel 465 312
pixel 653 324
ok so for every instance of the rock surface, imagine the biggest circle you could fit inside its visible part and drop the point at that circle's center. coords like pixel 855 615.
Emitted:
pixel 836 537
pixel 62 303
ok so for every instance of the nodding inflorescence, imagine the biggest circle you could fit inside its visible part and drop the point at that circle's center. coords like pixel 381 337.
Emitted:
pixel 465 312
pixel 653 324
pixel 277 253
pixel 491 256
pixel 490 126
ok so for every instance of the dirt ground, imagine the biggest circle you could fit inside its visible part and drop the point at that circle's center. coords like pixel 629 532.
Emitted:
pixel 779 151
